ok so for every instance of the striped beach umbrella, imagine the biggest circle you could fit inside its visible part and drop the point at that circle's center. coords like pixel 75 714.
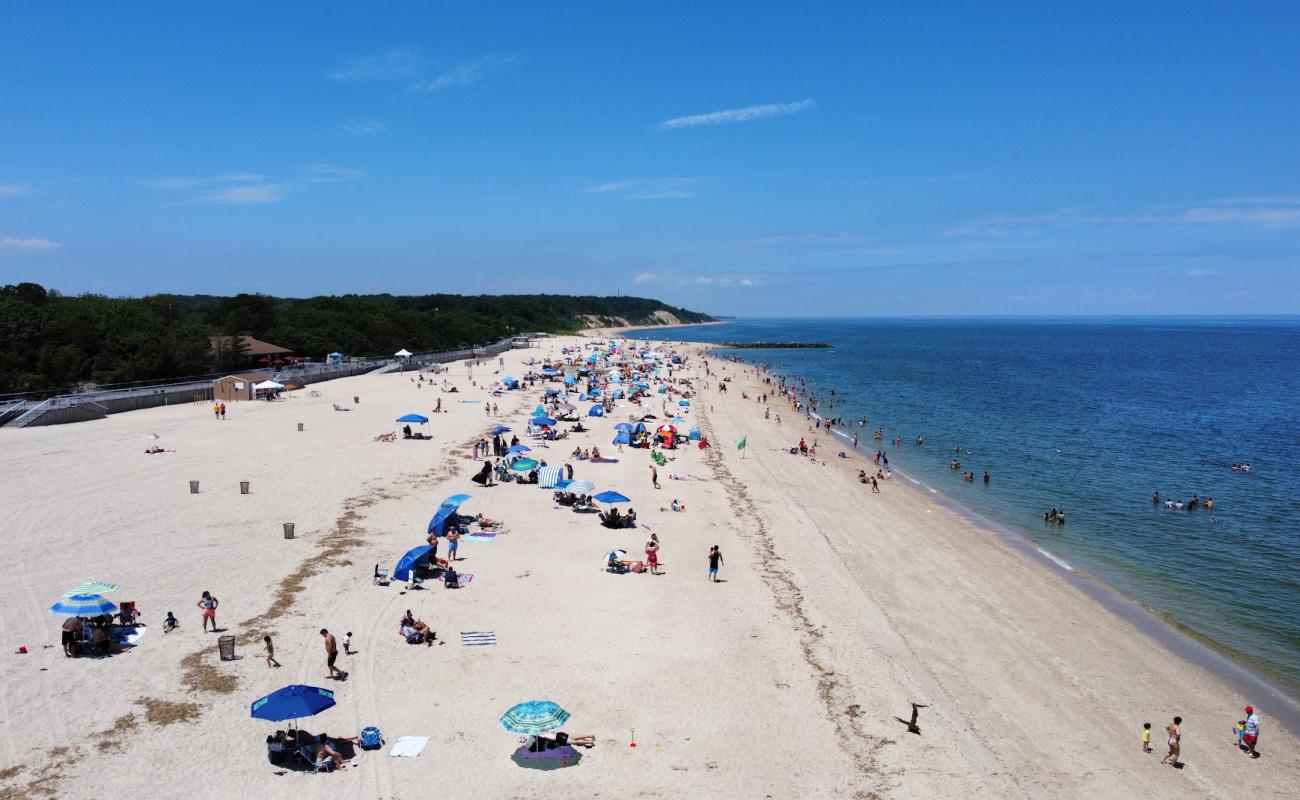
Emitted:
pixel 533 717
pixel 83 605
pixel 582 487
pixel 91 587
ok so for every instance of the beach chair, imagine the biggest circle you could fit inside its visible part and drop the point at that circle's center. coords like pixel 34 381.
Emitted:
pixel 127 613
pixel 307 755
pixel 371 738
pixel 380 578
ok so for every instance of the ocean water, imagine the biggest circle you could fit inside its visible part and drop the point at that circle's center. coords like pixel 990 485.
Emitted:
pixel 1093 416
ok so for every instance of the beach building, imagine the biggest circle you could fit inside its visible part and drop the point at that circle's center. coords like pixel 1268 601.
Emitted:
pixel 236 387
pixel 257 351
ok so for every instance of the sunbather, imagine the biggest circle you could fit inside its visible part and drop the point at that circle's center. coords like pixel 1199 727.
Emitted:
pixel 324 751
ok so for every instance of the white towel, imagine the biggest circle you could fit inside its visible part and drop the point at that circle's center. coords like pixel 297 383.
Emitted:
pixel 408 746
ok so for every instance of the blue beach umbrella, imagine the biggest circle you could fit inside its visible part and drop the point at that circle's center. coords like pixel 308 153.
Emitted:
pixel 454 501
pixel 519 448
pixel 596 411
pixel 622 438
pixel 413 418
pixel 581 487
pixel 292 702
pixel 440 520
pixel 623 426
pixel 533 717
pixel 611 497
pixel 683 402
pixel 523 465
pixel 415 557
pixel 543 421
pixel 498 430
pixel 83 605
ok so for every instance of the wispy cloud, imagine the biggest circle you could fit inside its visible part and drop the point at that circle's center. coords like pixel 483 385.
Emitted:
pixel 733 115
pixel 1263 212
pixel 14 243
pixel 362 127
pixel 253 195
pixel 414 70
pixel 674 279
pixel 812 237
pixel 647 188
pixel 646 277
pixel 15 189
pixel 1202 272
pixel 389 65
pixel 329 173
pixel 467 74
pixel 195 182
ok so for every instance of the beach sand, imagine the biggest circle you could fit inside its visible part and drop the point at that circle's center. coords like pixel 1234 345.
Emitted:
pixel 838 609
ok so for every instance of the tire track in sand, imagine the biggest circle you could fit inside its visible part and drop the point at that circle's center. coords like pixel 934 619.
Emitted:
pixel 833 689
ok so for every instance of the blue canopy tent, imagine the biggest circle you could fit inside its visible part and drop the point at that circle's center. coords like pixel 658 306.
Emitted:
pixel 415 557
pixel 413 418
pixel 596 411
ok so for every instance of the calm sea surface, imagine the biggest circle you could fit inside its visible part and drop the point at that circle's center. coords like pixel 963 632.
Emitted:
pixel 1093 417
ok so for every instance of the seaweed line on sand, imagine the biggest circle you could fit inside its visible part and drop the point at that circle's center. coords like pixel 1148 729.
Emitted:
pixel 833 690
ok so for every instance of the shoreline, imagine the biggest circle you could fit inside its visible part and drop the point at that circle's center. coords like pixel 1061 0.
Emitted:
pixel 1232 667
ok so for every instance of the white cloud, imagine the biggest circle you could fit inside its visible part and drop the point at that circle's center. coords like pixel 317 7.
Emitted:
pixel 362 127
pixel 329 173
pixel 14 189
pixel 802 238
pixel 646 277
pixel 14 243
pixel 252 195
pixel 390 65
pixel 732 115
pixel 201 182
pixel 467 74
pixel 1263 212
pixel 647 188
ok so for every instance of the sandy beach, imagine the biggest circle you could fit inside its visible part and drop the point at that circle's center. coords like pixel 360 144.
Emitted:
pixel 838 609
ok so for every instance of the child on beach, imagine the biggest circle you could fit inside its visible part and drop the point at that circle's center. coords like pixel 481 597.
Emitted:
pixel 270 652
pixel 347 643
pixel 1146 737
pixel 171 623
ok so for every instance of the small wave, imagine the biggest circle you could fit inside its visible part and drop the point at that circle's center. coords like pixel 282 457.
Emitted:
pixel 932 490
pixel 1058 562
pixel 914 480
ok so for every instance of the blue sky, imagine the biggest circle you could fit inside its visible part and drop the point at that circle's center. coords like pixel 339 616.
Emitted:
pixel 749 159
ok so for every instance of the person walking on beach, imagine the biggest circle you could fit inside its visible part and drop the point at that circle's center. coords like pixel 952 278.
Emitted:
pixel 270 652
pixel 453 542
pixel 1251 735
pixel 209 604
pixel 875 487
pixel 654 476
pixel 715 561
pixel 652 553
pixel 331 655
pixel 216 411
pixel 223 410
pixel 1175 741
pixel 1146 737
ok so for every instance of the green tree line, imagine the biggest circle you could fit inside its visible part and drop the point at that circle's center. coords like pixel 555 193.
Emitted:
pixel 52 341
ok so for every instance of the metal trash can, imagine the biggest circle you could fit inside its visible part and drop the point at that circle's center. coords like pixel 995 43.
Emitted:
pixel 300 426
pixel 356 400
pixel 194 487
pixel 288 530
pixel 243 487
pixel 226 647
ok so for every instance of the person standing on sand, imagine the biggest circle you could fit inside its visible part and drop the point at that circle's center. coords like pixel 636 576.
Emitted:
pixel 331 655
pixel 1251 736
pixel 1175 741
pixel 216 411
pixel 209 605
pixel 223 410
pixel 270 652
pixel 654 476
pixel 715 561
pixel 652 553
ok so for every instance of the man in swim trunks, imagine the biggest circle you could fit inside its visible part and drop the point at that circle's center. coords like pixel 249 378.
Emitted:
pixel 1251 734
pixel 715 561
pixel 331 655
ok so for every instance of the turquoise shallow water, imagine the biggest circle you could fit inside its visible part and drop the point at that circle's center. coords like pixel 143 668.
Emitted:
pixel 1093 416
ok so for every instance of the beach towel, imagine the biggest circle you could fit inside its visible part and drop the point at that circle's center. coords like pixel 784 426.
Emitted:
pixel 603 460
pixel 463 578
pixel 477 638
pixel 479 537
pixel 408 746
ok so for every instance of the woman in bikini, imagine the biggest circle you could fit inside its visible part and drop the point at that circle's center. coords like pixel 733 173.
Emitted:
pixel 652 553
pixel 209 604
pixel 1175 742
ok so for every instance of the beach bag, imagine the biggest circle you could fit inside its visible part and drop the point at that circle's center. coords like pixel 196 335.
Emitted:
pixel 371 738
